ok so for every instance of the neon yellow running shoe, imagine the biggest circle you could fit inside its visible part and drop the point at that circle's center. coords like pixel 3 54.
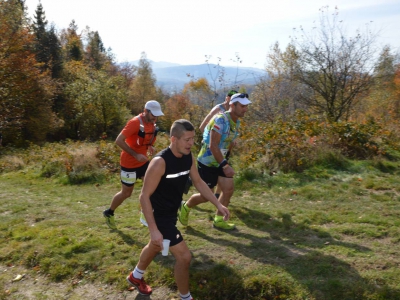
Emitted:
pixel 143 219
pixel 183 214
pixel 221 224
pixel 109 220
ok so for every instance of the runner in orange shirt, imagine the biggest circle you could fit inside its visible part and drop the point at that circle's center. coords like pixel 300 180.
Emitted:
pixel 136 140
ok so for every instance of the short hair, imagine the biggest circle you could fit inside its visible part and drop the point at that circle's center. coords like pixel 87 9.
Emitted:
pixel 231 93
pixel 180 126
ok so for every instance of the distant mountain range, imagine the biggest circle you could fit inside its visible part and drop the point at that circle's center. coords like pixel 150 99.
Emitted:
pixel 172 77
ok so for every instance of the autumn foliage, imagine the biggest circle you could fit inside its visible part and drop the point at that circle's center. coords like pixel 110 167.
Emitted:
pixel 25 92
pixel 320 99
pixel 303 141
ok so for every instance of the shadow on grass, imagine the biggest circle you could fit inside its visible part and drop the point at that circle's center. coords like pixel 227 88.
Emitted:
pixel 295 248
pixel 128 238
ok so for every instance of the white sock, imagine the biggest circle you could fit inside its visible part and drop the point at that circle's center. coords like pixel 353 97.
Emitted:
pixel 137 273
pixel 185 297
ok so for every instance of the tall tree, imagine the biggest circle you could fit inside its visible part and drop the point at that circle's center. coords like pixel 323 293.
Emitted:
pixel 334 67
pixel 200 92
pixel 95 101
pixel 25 92
pixel 383 101
pixel 95 51
pixel 143 87
pixel 47 45
pixel 276 96
pixel 55 53
pixel 41 39
pixel 72 43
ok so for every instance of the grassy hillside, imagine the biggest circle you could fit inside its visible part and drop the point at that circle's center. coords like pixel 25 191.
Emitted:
pixel 321 234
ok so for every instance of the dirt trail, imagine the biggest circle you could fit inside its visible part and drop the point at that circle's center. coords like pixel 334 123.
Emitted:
pixel 38 287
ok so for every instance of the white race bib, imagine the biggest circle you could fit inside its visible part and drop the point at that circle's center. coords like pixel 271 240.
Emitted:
pixel 224 151
pixel 128 177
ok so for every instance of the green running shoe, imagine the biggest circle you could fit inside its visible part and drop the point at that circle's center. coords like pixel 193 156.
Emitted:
pixel 109 220
pixel 183 214
pixel 221 224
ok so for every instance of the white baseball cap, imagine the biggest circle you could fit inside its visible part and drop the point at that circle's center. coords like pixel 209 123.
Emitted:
pixel 241 98
pixel 154 107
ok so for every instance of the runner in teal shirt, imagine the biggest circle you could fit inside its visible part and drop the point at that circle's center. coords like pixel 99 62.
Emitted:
pixel 227 128
pixel 212 164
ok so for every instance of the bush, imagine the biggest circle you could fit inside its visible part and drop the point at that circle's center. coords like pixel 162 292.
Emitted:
pixel 71 162
pixel 11 163
pixel 304 141
pixel 53 168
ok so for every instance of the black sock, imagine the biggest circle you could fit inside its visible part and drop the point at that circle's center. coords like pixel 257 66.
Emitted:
pixel 110 212
pixel 216 195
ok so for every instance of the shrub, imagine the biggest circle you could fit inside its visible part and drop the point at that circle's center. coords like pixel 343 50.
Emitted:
pixel 53 168
pixel 11 163
pixel 304 141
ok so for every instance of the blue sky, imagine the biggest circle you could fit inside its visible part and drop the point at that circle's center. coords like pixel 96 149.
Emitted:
pixel 184 31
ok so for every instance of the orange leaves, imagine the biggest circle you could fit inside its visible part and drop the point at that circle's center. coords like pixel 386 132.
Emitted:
pixel 176 107
pixel 296 144
pixel 200 84
pixel 25 105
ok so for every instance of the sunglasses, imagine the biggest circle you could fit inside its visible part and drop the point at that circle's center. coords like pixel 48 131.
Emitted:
pixel 149 111
pixel 240 96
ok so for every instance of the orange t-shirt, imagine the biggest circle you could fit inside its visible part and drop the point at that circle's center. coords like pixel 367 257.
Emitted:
pixel 137 143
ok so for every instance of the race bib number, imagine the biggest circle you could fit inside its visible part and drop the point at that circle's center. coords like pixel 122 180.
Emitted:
pixel 128 177
pixel 224 151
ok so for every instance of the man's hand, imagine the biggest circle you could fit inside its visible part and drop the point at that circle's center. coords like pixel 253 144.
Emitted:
pixel 224 211
pixel 156 238
pixel 151 150
pixel 229 171
pixel 141 157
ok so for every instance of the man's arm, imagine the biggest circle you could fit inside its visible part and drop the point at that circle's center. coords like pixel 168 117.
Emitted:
pixel 205 191
pixel 120 141
pixel 207 119
pixel 151 180
pixel 215 138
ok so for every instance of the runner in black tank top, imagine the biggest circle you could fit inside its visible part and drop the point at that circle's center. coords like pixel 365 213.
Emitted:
pixel 167 197
pixel 160 198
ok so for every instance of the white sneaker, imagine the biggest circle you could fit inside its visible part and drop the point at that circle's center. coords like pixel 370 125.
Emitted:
pixel 143 219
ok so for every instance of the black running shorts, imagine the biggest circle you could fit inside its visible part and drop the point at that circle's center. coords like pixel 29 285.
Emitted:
pixel 209 174
pixel 167 227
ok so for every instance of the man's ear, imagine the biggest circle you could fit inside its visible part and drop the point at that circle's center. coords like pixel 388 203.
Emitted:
pixel 173 138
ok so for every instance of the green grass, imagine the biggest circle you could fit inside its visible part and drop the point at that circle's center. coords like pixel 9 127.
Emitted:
pixel 322 234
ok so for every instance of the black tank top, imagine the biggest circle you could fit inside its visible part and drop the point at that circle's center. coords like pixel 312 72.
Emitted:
pixel 167 197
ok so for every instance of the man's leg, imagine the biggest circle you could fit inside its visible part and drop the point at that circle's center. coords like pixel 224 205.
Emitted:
pixel 135 278
pixel 184 210
pixel 126 192
pixel 181 271
pixel 209 176
pixel 147 255
pixel 217 191
pixel 227 188
pixel 195 200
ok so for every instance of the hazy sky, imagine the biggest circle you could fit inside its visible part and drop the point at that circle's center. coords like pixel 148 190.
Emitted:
pixel 184 31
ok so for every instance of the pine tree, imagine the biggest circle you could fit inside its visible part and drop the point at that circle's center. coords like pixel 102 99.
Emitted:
pixel 47 45
pixel 95 51
pixel 41 39
pixel 54 49
pixel 72 43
